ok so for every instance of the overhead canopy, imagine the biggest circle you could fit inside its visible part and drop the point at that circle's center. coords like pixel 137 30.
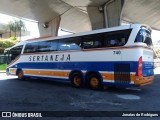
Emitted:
pixel 142 11
pixel 74 14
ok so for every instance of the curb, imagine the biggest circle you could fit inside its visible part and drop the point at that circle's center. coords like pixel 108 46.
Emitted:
pixel 2 72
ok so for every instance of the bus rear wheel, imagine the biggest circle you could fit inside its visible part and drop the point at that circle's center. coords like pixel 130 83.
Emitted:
pixel 76 80
pixel 20 74
pixel 94 82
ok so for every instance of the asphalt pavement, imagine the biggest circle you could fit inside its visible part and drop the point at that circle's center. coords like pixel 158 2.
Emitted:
pixel 42 95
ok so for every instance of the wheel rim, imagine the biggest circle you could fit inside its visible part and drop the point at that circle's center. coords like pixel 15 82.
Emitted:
pixel 94 82
pixel 20 75
pixel 77 80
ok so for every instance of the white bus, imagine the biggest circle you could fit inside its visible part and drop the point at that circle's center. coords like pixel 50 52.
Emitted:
pixel 117 56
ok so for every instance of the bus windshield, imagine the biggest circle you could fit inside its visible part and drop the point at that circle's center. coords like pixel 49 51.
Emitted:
pixel 13 53
pixel 144 36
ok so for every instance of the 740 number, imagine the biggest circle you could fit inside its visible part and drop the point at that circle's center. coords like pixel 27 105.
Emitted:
pixel 116 52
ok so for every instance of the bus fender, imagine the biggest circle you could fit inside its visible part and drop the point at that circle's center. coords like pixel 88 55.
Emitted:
pixel 19 69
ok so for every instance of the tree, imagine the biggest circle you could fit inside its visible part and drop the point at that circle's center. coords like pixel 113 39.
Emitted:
pixel 10 26
pixel 16 26
pixel 20 26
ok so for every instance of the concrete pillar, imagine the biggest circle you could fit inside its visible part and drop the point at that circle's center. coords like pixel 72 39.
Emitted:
pixel 50 28
pixel 112 13
pixel 107 15
pixel 96 17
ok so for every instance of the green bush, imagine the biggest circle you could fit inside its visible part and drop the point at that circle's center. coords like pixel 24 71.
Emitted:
pixel 13 38
pixel 6 44
pixel 3 67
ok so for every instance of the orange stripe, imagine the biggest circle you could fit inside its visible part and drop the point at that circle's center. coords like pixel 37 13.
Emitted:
pixel 12 70
pixel 47 73
pixel 132 77
pixel 144 80
pixel 107 76
pixel 110 76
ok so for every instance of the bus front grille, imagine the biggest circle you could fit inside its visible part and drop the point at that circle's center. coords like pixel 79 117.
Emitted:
pixel 122 73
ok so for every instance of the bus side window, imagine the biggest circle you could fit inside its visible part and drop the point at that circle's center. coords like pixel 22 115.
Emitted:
pixel 63 46
pixel 44 46
pixel 123 41
pixel 97 44
pixel 15 52
pixel 117 38
pixel 70 44
pixel 54 46
pixel 93 41
pixel 74 46
pixel 31 47
pixel 87 45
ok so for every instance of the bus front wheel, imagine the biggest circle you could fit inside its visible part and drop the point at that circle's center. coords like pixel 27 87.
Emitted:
pixel 20 74
pixel 76 80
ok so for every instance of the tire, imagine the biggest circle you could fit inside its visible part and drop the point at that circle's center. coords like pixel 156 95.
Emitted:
pixel 76 80
pixel 20 74
pixel 94 82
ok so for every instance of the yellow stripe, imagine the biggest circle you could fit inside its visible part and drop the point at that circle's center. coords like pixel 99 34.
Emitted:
pixel 134 79
pixel 47 73
pixel 12 70
pixel 107 76
pixel 143 80
pixel 110 76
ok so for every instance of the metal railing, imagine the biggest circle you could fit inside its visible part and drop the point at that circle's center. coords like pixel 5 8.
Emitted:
pixel 2 59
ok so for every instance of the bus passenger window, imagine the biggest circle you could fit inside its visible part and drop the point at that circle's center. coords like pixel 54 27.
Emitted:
pixel 31 47
pixel 117 38
pixel 70 44
pixel 74 46
pixel 53 46
pixel 93 41
pixel 63 46
pixel 87 45
pixel 97 44
pixel 114 42
pixel 44 46
pixel 123 41
pixel 15 52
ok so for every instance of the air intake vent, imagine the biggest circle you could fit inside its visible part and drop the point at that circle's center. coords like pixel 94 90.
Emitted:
pixel 122 73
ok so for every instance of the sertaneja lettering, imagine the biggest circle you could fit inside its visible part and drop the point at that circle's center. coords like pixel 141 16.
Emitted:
pixel 49 58
pixel 30 58
pixel 56 58
pixel 62 58
pixel 46 58
pixel 42 57
pixel 68 57
pixel 38 58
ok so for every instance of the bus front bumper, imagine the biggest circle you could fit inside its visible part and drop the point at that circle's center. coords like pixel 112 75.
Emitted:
pixel 140 81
